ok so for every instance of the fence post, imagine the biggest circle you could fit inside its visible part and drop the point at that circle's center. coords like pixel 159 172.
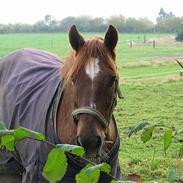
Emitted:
pixel 144 38
pixel 181 73
pixel 154 44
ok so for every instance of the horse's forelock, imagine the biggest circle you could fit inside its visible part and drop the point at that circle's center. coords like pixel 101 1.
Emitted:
pixel 75 63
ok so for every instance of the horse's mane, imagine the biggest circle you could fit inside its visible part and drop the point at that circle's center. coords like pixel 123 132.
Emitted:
pixel 75 63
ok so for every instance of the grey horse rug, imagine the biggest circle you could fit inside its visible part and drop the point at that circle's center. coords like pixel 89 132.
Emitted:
pixel 31 87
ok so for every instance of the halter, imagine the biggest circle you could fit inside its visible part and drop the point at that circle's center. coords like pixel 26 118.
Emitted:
pixel 95 113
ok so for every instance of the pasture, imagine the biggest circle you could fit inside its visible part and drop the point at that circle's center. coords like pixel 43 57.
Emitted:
pixel 153 90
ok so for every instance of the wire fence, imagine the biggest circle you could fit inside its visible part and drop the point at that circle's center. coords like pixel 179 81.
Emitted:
pixel 156 44
pixel 158 78
pixel 147 76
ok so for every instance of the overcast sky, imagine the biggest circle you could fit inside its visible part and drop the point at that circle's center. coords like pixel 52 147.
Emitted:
pixel 30 11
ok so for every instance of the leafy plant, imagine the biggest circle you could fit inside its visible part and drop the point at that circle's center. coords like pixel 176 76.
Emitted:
pixel 136 128
pixel 56 164
pixel 170 133
pixel 179 36
pixel 8 138
pixel 91 173
pixel 167 139
pixel 146 135
pixel 172 176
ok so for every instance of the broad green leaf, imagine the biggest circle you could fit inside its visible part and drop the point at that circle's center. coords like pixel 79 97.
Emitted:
pixel 147 134
pixel 167 139
pixel 76 150
pixel 91 174
pixel 56 165
pixel 83 177
pixel 136 128
pixel 8 141
pixel 39 136
pixel 21 133
pixel 172 176
pixel 104 167
pixel 181 151
pixel 2 126
pixel 36 135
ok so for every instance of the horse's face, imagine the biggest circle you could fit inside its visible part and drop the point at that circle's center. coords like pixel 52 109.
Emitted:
pixel 94 89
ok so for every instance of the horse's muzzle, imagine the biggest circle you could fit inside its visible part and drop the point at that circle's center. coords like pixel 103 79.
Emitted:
pixel 91 144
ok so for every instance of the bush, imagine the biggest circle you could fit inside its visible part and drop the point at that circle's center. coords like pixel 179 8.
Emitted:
pixel 179 36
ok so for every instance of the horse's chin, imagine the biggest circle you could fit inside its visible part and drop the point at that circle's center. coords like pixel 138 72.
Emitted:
pixel 93 156
pixel 97 157
pixel 94 159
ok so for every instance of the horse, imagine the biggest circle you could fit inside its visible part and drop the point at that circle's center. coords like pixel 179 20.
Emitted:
pixel 71 102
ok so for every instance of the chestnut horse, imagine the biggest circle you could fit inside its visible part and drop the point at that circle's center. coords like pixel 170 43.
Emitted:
pixel 84 115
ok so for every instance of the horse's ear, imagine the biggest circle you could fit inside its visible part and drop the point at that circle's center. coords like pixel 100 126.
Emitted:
pixel 75 39
pixel 111 38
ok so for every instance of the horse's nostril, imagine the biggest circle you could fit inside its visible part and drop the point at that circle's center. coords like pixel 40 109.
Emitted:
pixel 89 142
pixel 98 141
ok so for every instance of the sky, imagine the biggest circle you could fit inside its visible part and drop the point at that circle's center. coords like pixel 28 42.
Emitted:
pixel 30 11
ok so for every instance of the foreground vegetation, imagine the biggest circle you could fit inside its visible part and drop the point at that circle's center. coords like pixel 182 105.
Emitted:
pixel 152 103
pixel 149 96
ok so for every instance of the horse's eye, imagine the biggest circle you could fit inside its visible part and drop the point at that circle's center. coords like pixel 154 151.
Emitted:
pixel 112 79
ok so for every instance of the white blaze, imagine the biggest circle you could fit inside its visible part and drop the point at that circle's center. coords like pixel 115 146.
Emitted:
pixel 93 68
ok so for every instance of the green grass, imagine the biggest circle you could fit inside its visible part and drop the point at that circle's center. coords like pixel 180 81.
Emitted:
pixel 148 71
pixel 154 102
pixel 55 43
pixel 138 53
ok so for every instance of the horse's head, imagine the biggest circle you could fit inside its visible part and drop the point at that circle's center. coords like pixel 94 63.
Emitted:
pixel 94 79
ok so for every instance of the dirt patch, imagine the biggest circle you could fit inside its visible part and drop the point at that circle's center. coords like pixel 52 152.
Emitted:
pixel 161 40
pixel 155 80
pixel 171 56
pixel 154 63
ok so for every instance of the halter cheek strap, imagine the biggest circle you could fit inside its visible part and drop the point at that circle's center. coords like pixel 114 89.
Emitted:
pixel 119 93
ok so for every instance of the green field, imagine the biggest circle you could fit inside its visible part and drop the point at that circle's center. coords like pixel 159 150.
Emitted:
pixel 153 90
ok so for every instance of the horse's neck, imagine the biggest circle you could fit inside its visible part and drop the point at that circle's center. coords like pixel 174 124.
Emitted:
pixel 66 128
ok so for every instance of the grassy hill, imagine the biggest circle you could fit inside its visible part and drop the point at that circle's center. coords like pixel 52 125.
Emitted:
pixel 153 90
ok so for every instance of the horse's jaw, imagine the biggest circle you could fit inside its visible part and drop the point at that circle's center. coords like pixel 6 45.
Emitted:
pixel 100 156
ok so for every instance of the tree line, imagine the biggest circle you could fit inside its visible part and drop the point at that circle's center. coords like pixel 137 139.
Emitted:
pixel 165 23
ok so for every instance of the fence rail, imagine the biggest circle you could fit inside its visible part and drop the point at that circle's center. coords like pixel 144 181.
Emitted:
pixel 155 44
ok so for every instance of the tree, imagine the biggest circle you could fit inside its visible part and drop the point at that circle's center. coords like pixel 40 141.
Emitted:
pixel 48 19
pixel 66 23
pixel 179 36
pixel 83 23
pixel 118 21
pixel 163 15
pixel 97 25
